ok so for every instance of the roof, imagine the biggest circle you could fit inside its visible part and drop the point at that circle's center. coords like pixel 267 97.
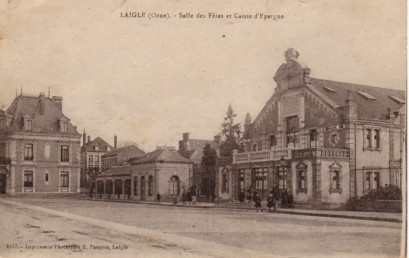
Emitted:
pixel 90 146
pixel 125 149
pixel 372 102
pixel 116 171
pixel 162 156
pixel 29 107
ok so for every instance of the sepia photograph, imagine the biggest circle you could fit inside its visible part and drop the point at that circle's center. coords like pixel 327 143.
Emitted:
pixel 138 128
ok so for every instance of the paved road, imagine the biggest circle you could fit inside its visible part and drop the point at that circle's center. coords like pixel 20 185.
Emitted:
pixel 145 230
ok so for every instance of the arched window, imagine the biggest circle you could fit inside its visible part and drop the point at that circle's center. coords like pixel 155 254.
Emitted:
pixel 174 185
pixel 135 186
pixel 150 186
pixel 313 138
pixel 118 187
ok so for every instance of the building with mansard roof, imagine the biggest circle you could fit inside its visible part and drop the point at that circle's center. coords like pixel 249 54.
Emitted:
pixel 323 141
pixel 39 146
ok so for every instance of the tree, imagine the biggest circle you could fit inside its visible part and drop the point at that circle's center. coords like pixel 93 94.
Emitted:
pixel 231 133
pixel 208 170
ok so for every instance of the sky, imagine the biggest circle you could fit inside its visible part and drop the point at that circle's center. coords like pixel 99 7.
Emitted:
pixel 150 80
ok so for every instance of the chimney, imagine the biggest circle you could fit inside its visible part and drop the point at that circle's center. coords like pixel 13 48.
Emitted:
pixel 186 137
pixel 115 141
pixel 58 102
pixel 84 138
pixel 352 107
pixel 42 103
pixel 89 139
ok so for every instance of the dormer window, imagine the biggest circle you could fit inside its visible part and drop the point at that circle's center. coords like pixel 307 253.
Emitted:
pixel 96 148
pixel 28 124
pixel 397 99
pixel 64 127
pixel 366 95
pixel 63 124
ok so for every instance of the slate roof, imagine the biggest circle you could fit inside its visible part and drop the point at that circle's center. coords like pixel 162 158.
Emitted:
pixel 162 156
pixel 125 149
pixel 97 142
pixel 116 171
pixel 367 108
pixel 29 106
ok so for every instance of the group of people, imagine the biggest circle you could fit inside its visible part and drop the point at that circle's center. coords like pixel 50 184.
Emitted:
pixel 274 196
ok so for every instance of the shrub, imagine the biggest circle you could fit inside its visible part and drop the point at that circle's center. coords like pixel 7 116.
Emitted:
pixel 390 192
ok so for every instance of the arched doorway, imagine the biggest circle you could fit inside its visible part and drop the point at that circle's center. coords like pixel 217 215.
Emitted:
pixel 142 188
pixel 118 188
pixel 109 187
pixel 127 188
pixel 100 188
pixel 174 187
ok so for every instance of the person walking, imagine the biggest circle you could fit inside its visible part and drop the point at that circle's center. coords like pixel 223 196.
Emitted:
pixel 271 202
pixel 257 201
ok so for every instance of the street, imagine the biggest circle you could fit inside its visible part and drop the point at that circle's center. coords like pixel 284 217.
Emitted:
pixel 79 228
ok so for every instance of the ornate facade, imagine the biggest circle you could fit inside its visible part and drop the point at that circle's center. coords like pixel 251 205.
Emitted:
pixel 323 141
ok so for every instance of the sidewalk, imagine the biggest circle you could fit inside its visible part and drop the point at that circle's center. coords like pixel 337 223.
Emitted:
pixel 376 216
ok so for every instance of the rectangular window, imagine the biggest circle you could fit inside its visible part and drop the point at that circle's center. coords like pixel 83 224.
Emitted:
pixel 65 155
pixel 292 129
pixel 261 178
pixel 273 142
pixel 96 158
pixel 46 177
pixel 335 180
pixel 368 138
pixel 225 183
pixel 28 178
pixel 301 180
pixel 90 158
pixel 376 180
pixel 64 127
pixel 368 181
pixel 28 152
pixel 65 179
pixel 376 138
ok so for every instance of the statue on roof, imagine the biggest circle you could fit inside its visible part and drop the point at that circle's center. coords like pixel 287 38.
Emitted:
pixel 292 72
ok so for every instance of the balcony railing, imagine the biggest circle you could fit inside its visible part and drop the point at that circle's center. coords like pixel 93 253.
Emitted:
pixel 267 155
pixel 272 155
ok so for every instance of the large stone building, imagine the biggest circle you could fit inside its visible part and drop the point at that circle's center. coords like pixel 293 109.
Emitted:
pixel 141 178
pixel 323 141
pixel 39 147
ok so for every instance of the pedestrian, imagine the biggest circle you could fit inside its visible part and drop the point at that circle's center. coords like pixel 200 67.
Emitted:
pixel 194 199
pixel 241 197
pixel 284 199
pixel 189 197
pixel 257 201
pixel 271 202
pixel 184 197
pixel 249 194
pixel 158 197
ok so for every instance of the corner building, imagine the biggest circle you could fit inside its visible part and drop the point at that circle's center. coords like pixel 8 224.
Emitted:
pixel 323 141
pixel 39 147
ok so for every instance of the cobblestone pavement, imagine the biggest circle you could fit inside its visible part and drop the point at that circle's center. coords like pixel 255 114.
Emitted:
pixel 147 230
